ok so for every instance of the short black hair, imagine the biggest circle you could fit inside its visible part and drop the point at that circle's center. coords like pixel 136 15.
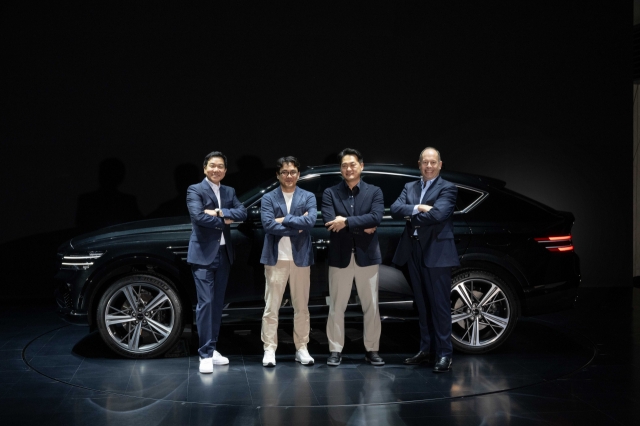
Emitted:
pixel 350 151
pixel 288 159
pixel 215 154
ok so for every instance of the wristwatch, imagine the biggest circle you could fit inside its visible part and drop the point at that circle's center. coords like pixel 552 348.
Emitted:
pixel 346 221
pixel 219 212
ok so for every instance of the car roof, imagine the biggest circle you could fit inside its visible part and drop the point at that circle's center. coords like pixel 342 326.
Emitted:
pixel 477 181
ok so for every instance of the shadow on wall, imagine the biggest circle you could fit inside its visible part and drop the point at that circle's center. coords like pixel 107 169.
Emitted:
pixel 183 176
pixel 33 258
pixel 107 205
pixel 251 171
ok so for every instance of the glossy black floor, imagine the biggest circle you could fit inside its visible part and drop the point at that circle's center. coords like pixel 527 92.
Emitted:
pixel 576 367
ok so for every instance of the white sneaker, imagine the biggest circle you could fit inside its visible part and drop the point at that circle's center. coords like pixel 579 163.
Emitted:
pixel 218 359
pixel 269 359
pixel 303 357
pixel 206 365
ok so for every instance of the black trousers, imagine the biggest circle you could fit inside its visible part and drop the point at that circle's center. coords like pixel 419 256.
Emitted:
pixel 211 284
pixel 432 294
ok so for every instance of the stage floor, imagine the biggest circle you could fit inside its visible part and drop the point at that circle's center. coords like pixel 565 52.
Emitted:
pixel 535 353
pixel 556 369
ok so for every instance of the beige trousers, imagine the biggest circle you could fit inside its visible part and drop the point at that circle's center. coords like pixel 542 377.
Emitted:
pixel 340 283
pixel 276 281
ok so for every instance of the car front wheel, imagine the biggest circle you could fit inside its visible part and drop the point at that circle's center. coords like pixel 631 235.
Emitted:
pixel 140 316
pixel 484 310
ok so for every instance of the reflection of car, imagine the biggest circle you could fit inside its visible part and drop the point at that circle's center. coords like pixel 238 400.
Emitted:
pixel 132 282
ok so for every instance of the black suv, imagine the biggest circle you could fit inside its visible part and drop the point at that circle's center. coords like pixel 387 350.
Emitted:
pixel 132 281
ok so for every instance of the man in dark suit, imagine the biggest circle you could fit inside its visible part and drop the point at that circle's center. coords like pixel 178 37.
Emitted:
pixel 212 208
pixel 288 214
pixel 352 210
pixel 427 245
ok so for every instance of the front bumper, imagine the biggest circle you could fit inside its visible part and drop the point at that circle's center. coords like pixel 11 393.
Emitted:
pixel 65 307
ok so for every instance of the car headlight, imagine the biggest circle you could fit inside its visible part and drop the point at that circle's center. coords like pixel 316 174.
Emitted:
pixel 78 261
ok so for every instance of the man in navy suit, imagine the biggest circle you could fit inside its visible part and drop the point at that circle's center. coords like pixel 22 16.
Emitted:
pixel 428 246
pixel 288 214
pixel 352 210
pixel 212 208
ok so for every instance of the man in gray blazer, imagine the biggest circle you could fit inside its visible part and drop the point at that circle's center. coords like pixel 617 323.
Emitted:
pixel 288 214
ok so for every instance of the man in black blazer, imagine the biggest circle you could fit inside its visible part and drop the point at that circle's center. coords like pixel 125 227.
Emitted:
pixel 212 207
pixel 352 210
pixel 428 246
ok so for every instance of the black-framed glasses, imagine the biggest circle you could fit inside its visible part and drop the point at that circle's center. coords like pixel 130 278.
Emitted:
pixel 292 173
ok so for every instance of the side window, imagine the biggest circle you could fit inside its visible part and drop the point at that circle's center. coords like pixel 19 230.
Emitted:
pixel 317 185
pixel 391 185
pixel 466 197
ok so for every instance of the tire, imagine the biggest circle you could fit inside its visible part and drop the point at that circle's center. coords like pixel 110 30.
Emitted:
pixel 484 311
pixel 140 316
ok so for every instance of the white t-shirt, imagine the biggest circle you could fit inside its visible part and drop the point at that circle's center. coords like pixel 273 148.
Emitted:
pixel 284 246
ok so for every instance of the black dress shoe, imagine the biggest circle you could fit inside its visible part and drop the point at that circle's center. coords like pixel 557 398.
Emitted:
pixel 443 365
pixel 418 359
pixel 373 358
pixel 334 359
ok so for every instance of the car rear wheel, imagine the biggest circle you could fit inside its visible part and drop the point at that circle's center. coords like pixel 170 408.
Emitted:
pixel 484 310
pixel 140 316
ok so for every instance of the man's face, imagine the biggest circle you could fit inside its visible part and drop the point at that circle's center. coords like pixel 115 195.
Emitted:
pixel 215 170
pixel 429 164
pixel 351 168
pixel 288 177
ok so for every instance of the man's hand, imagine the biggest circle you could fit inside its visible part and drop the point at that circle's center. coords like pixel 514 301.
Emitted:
pixel 228 221
pixel 211 212
pixel 336 224
pixel 371 230
pixel 423 208
pixel 279 219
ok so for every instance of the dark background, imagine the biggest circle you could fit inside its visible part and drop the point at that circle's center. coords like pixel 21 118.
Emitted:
pixel 537 94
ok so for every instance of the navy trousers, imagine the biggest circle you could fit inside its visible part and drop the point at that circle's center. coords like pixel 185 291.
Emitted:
pixel 432 294
pixel 211 283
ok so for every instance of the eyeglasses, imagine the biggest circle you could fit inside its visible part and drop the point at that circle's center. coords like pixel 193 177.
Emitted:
pixel 286 173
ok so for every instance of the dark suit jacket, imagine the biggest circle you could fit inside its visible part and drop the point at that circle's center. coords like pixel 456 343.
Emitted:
pixel 205 236
pixel 369 209
pixel 273 206
pixel 435 231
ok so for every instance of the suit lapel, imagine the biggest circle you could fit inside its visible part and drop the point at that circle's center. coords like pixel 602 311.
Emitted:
pixel 415 193
pixel 433 187
pixel 280 200
pixel 360 198
pixel 206 188
pixel 296 199
pixel 344 197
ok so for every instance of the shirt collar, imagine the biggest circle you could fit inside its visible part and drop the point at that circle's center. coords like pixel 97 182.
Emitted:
pixel 357 185
pixel 423 183
pixel 216 188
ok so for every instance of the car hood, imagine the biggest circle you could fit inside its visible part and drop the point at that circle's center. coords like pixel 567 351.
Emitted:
pixel 131 230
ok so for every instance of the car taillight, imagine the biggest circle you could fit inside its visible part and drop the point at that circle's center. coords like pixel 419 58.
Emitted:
pixel 557 243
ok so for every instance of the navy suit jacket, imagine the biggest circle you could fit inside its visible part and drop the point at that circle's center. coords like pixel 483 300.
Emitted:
pixel 274 206
pixel 435 227
pixel 369 209
pixel 205 236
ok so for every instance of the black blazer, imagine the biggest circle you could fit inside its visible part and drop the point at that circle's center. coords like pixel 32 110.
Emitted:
pixel 369 209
